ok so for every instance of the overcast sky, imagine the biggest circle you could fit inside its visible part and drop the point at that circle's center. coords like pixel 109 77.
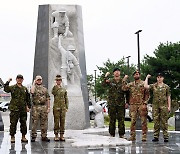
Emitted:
pixel 109 27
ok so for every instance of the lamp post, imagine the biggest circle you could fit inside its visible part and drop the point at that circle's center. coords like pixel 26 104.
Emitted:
pixel 138 48
pixel 128 63
pixel 95 84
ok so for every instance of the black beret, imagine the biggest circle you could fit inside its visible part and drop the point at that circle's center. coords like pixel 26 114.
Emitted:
pixel 116 69
pixel 136 72
pixel 19 76
pixel 159 74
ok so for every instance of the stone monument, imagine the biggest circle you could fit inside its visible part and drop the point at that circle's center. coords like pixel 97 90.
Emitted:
pixel 60 50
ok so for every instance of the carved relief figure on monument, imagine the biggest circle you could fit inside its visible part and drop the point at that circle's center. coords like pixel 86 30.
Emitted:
pixel 60 24
pixel 70 66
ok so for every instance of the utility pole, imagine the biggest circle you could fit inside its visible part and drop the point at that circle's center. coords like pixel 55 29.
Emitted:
pixel 95 84
pixel 138 48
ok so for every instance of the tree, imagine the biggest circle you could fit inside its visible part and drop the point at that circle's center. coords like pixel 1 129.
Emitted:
pixel 166 61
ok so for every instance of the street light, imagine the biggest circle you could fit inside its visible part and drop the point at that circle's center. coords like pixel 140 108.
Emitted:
pixel 95 84
pixel 128 62
pixel 138 48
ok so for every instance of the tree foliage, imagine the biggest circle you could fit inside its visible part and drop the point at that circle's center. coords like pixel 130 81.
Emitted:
pixel 166 61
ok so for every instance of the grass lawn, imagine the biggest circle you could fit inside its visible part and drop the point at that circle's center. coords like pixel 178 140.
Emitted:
pixel 128 123
pixel 150 126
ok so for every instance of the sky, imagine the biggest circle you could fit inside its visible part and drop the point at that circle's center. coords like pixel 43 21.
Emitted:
pixel 108 25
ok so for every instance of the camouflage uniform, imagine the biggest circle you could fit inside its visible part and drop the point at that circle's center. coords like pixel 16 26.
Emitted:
pixel 20 99
pixel 160 108
pixel 39 110
pixel 116 106
pixel 59 108
pixel 138 106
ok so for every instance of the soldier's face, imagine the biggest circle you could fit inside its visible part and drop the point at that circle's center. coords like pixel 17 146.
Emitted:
pixel 160 79
pixel 117 73
pixel 39 81
pixel 136 76
pixel 58 82
pixel 19 80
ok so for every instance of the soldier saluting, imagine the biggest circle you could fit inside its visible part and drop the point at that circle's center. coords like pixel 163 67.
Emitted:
pixel 19 106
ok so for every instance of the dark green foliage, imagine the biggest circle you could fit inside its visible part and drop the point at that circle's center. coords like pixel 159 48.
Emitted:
pixel 166 61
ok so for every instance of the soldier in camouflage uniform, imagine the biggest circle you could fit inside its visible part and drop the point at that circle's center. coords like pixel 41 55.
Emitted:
pixel 138 104
pixel 19 106
pixel 161 106
pixel 116 103
pixel 40 109
pixel 59 109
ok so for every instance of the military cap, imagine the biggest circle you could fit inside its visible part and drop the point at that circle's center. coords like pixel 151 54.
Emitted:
pixel 116 69
pixel 160 74
pixel 136 72
pixel 19 76
pixel 58 77
pixel 38 77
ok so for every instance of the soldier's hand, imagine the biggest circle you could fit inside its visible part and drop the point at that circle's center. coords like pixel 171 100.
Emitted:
pixel 148 76
pixel 126 105
pixel 48 110
pixel 107 74
pixel 10 79
pixel 34 82
pixel 27 109
pixel 169 109
pixel 125 77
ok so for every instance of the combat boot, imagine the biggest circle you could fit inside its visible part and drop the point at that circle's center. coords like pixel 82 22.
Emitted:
pixel 45 139
pixel 56 138
pixel 62 137
pixel 24 139
pixel 132 138
pixel 122 136
pixel 144 138
pixel 12 139
pixel 155 139
pixel 33 139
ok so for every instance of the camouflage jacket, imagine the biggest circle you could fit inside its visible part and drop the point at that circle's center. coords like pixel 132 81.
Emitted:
pixel 138 94
pixel 116 96
pixel 60 97
pixel 20 97
pixel 160 94
pixel 40 95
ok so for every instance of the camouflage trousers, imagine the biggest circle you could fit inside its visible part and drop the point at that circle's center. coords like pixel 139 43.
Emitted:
pixel 135 111
pixel 116 112
pixel 14 117
pixel 59 120
pixel 160 117
pixel 39 113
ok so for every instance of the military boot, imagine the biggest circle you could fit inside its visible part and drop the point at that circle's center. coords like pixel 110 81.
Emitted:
pixel 12 139
pixel 33 139
pixel 24 139
pixel 122 136
pixel 144 138
pixel 56 138
pixel 132 138
pixel 62 137
pixel 45 139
